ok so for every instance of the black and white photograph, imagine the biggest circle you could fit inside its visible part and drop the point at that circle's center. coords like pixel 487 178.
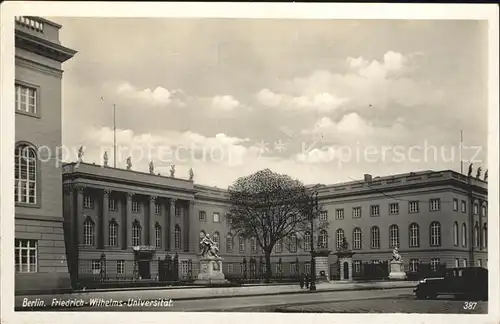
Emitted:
pixel 249 159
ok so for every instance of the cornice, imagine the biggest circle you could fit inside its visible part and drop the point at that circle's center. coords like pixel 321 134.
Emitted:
pixel 21 61
pixel 43 47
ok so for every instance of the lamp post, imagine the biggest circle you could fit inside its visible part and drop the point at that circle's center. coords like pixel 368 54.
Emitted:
pixel 314 209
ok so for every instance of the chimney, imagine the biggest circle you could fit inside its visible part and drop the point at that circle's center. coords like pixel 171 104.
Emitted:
pixel 368 177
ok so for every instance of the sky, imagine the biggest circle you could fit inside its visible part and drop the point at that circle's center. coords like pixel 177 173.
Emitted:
pixel 324 101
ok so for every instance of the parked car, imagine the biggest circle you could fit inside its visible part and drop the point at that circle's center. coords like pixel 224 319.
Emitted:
pixel 468 283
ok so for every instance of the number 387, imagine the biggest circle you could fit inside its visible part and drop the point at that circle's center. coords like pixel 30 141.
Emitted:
pixel 470 305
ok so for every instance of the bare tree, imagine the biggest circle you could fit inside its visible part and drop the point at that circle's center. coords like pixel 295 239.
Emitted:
pixel 271 208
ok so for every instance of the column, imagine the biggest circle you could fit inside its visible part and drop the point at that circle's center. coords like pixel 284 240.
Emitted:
pixel 186 215
pixel 166 227
pixel 152 213
pixel 105 218
pixel 479 209
pixel 172 223
pixel 127 227
pixel 79 215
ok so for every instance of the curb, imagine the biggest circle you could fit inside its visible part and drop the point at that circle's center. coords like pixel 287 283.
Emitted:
pixel 47 308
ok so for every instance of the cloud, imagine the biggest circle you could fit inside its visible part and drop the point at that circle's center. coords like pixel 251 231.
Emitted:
pixel 224 103
pixel 157 97
pixel 323 101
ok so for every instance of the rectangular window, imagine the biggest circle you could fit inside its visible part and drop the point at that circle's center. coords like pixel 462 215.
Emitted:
pixel 375 210
pixel 136 207
pixel 26 99
pixel 184 267
pixel 230 268
pixel 464 206
pixel 455 204
pixel 120 267
pixel 253 245
pixel 177 211
pixel 242 244
pixel 96 267
pixel 158 236
pixel 323 215
pixel 216 218
pixel 356 212
pixel 157 209
pixel 293 244
pixel 457 263
pixel 87 202
pixel 279 269
pixel 278 247
pixel 464 263
pixel 414 264
pixel 112 204
pixel 435 204
pixel 339 213
pixel 293 268
pixel 307 267
pixel 357 266
pixel 394 209
pixel 478 263
pixel 435 264
pixel 203 216
pixel 26 255
pixel 413 207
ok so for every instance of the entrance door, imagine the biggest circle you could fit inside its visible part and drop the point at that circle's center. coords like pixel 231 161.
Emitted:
pixel 144 269
pixel 346 270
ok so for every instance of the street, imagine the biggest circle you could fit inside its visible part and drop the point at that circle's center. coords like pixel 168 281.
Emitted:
pixel 384 301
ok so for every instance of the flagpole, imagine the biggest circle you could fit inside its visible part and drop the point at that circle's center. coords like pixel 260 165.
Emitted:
pixel 461 145
pixel 114 135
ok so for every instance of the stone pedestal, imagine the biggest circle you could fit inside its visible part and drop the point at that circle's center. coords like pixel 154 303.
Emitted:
pixel 345 264
pixel 210 271
pixel 397 271
pixel 322 265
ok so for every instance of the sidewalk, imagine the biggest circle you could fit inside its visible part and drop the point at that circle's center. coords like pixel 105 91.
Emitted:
pixel 199 293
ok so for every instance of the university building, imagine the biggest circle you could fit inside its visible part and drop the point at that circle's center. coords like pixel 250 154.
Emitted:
pixel 70 219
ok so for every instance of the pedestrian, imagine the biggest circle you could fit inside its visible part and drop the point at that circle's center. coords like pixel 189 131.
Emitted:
pixel 301 281
pixel 307 281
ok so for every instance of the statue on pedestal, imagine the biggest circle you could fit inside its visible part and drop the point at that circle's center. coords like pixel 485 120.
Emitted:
pixel 129 163
pixel 172 171
pixel 478 174
pixel 396 256
pixel 344 246
pixel 105 159
pixel 151 167
pixel 210 263
pixel 191 174
pixel 209 247
pixel 486 175
pixel 470 169
pixel 397 266
pixel 80 154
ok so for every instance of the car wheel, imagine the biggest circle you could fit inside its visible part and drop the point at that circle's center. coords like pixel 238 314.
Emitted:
pixel 421 295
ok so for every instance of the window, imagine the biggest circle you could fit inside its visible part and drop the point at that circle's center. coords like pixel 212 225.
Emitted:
pixel 464 263
pixel 26 99
pixel 278 247
pixel 357 266
pixel 356 238
pixel 455 234
pixel 414 265
pixel 96 267
pixel 356 212
pixel 485 236
pixel 457 263
pixel 216 217
pixel 253 245
pixel 483 211
pixel 242 244
pixel 323 215
pixel 307 241
pixel 339 213
pixel 293 243
pixel 136 233
pixel 203 216
pixel 157 209
pixel 464 235
pixel 184 267
pixel 112 204
pixel 464 206
pixel 25 175
pixel 393 236
pixel 478 263
pixel 216 239
pixel 230 268
pixel 455 204
pixel 87 202
pixel 279 269
pixel 476 235
pixel 394 209
pixel 414 235
pixel 177 237
pixel 88 232
pixel 435 264
pixel 323 239
pixel 158 235
pixel 413 207
pixel 228 219
pixel 374 210
pixel 375 237
pixel 120 267
pixel 435 230
pixel 229 243
pixel 113 233
pixel 294 268
pixel 476 209
pixel 307 267
pixel 136 207
pixel 340 238
pixel 177 211
pixel 26 255
pixel 435 204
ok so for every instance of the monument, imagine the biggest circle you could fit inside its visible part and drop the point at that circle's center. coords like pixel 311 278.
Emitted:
pixel 210 263
pixel 397 271
pixel 344 255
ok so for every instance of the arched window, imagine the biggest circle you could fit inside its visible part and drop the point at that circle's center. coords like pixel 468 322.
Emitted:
pixel 414 235
pixel 253 245
pixel 25 175
pixel 375 237
pixel 485 235
pixel 323 239
pixel 356 238
pixel 113 233
pixel 88 232
pixel 435 230
pixel 307 241
pixel 476 235
pixel 394 236
pixel 229 243
pixel 177 237
pixel 136 233
pixel 158 235
pixel 464 235
pixel 216 239
pixel 455 234
pixel 340 238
